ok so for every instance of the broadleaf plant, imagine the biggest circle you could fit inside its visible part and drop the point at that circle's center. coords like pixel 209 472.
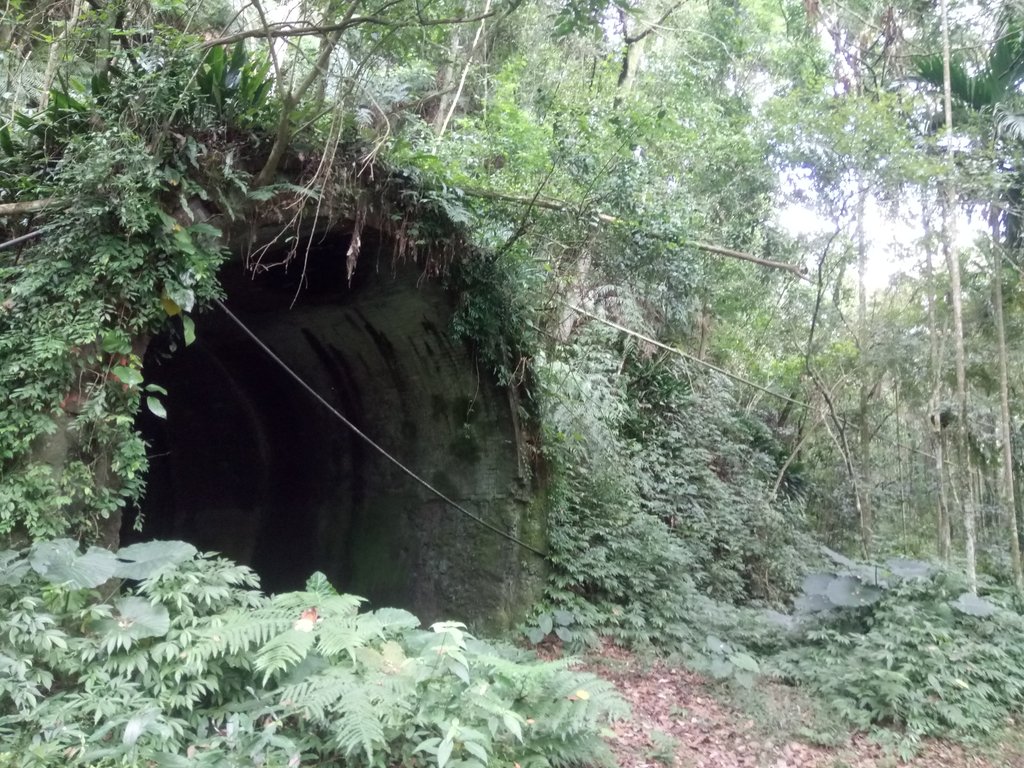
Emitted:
pixel 192 666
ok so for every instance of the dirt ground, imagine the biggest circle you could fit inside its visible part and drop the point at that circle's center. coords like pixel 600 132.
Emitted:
pixel 681 720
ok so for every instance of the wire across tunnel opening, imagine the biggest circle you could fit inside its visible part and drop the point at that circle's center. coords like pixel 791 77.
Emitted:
pixel 250 465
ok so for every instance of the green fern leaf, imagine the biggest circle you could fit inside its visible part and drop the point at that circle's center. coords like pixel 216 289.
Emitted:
pixel 283 652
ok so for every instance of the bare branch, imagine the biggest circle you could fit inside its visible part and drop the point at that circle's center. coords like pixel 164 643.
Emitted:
pixel 30 206
pixel 291 100
pixel 648 29
pixel 465 72
pixel 270 40
pixel 719 250
pixel 684 355
pixel 286 29
pixel 19 240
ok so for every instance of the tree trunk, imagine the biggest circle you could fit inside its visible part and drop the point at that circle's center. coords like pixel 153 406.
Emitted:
pixel 867 521
pixel 963 459
pixel 953 264
pixel 1007 495
pixel 900 471
pixel 57 51
pixel 942 525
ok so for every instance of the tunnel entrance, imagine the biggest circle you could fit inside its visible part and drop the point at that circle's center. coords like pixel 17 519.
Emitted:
pixel 248 464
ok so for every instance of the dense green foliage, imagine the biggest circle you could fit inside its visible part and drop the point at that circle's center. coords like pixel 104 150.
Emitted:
pixel 191 665
pixel 659 498
pixel 147 173
pixel 718 257
pixel 123 251
pixel 907 646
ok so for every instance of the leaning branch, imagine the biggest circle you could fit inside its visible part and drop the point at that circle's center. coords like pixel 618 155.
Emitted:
pixel 19 240
pixel 561 206
pixel 286 29
pixel 691 358
pixel 721 251
pixel 29 206
pixel 290 100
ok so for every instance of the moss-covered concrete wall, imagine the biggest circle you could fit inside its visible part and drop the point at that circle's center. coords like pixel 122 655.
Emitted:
pixel 249 464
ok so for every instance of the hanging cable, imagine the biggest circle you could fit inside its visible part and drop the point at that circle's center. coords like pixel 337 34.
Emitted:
pixel 691 358
pixel 369 441
pixel 711 366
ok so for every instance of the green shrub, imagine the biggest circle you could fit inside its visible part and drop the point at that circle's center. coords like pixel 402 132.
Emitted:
pixel 192 666
pixel 916 653
pixel 660 511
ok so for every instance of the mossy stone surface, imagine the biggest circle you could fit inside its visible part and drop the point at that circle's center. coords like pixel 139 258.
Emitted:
pixel 259 470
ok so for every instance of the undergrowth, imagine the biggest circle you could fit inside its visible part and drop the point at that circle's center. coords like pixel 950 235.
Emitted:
pixel 664 532
pixel 920 656
pixel 190 665
pixel 661 519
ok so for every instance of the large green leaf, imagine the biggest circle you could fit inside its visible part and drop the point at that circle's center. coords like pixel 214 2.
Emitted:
pixel 906 568
pixel 59 562
pixel 849 592
pixel 745 661
pixel 320 585
pixel 812 604
pixel 973 605
pixel 13 567
pixel 817 583
pixel 140 561
pixel 133 619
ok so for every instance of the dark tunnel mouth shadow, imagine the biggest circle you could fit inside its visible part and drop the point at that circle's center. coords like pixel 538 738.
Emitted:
pixel 231 451
pixel 250 465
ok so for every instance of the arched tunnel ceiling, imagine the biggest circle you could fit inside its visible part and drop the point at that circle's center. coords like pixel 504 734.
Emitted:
pixel 250 465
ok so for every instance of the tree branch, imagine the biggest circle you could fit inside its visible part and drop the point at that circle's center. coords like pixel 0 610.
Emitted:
pixel 270 41
pixel 630 39
pixel 799 271
pixel 19 240
pixel 561 206
pixel 465 72
pixel 291 100
pixel 285 28
pixel 30 206
pixel 684 355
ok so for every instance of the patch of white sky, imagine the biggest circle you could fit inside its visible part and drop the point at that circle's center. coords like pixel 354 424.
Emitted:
pixel 893 233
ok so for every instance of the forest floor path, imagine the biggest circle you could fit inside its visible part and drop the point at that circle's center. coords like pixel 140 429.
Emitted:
pixel 682 720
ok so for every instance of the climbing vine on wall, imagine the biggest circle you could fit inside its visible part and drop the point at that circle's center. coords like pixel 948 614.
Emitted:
pixel 125 193
pixel 116 251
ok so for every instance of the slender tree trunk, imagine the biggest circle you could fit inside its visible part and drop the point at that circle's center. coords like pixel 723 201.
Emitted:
pixel 942 524
pixel 1007 495
pixel 964 458
pixel 953 264
pixel 900 471
pixel 867 521
pixel 57 51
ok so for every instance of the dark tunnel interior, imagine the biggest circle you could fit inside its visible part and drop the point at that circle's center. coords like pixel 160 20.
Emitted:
pixel 250 465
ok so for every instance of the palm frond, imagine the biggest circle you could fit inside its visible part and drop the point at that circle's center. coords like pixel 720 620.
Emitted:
pixel 1009 123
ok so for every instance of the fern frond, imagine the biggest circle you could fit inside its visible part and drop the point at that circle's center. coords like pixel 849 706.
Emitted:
pixel 284 651
pixel 314 696
pixel 326 605
pixel 344 636
pixel 358 727
pixel 239 632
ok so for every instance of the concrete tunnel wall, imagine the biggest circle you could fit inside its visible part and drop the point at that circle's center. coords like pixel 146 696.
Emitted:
pixel 248 464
